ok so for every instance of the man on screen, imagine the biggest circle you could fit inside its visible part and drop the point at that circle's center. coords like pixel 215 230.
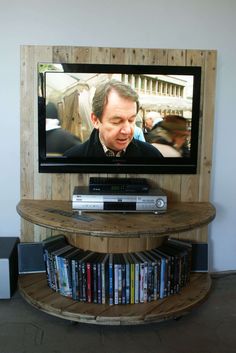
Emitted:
pixel 114 109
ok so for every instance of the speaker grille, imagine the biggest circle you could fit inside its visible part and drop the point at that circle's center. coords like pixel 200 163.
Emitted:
pixel 30 258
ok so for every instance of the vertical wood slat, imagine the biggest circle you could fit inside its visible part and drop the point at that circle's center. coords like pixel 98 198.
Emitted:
pixel 59 186
pixel 176 57
pixel 207 125
pixel 119 56
pixel 62 54
pixel 157 56
pixel 100 55
pixel 139 56
pixel 81 54
pixel 27 96
pixel 26 151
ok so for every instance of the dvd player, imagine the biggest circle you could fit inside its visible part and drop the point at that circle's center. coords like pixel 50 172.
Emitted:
pixel 155 200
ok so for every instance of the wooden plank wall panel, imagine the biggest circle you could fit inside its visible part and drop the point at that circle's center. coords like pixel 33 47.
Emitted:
pixel 60 186
pixel 205 154
pixel 33 184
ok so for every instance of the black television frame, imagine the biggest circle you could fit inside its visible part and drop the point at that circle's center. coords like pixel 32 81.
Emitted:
pixel 167 165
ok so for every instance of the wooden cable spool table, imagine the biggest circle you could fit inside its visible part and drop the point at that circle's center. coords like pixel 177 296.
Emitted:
pixel 116 233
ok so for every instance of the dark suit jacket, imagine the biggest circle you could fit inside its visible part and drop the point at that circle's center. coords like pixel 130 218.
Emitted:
pixel 93 148
pixel 60 140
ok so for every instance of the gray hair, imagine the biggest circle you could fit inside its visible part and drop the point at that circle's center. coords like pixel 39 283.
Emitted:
pixel 100 98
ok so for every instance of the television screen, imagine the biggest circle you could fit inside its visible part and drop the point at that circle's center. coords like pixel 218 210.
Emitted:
pixel 118 118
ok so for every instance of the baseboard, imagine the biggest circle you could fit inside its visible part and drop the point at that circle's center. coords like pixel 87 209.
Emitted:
pixel 219 274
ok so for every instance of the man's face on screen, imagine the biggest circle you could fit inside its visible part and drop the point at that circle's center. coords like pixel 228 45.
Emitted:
pixel 116 126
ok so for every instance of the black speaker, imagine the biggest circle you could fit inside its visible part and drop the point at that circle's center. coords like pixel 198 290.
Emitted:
pixel 8 266
pixel 199 257
pixel 30 258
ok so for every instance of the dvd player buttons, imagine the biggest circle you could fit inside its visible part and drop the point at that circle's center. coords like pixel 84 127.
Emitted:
pixel 160 203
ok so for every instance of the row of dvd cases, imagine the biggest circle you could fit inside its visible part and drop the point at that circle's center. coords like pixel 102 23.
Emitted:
pixel 128 278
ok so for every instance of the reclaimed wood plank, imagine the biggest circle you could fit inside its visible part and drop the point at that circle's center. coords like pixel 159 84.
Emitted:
pixel 36 292
pixel 181 216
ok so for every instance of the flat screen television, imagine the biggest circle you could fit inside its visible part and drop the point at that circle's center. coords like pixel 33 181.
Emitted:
pixel 168 111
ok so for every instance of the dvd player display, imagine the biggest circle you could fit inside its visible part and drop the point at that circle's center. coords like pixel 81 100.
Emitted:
pixel 155 200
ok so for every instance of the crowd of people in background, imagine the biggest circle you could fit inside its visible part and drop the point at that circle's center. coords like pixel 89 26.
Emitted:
pixel 169 134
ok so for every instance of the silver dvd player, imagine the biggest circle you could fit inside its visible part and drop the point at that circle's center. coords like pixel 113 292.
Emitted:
pixel 155 200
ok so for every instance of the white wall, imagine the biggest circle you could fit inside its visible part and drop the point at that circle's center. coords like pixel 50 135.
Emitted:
pixel 196 24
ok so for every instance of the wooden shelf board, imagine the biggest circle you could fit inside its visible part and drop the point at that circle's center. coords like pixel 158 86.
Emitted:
pixel 58 215
pixel 35 291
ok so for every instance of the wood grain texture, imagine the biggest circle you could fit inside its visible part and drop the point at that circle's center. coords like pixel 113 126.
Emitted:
pixel 35 291
pixel 58 215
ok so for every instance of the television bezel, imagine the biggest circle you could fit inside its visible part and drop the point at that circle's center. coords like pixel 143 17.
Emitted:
pixel 167 165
